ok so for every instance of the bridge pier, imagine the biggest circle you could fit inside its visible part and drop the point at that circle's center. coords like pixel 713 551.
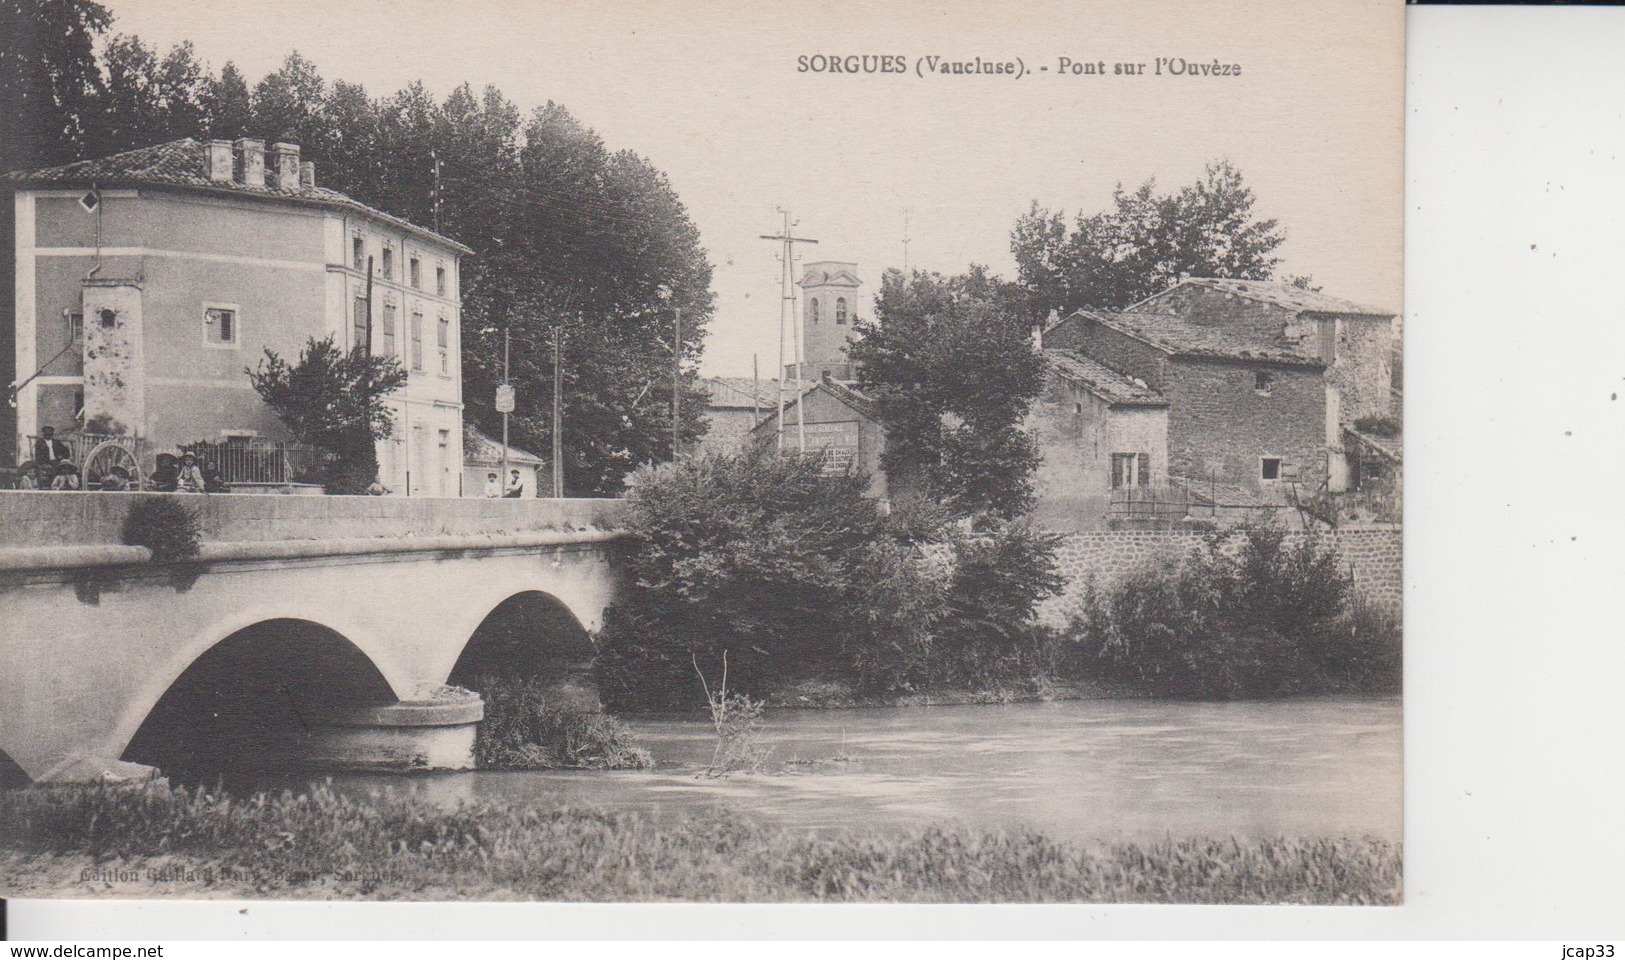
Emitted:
pixel 428 734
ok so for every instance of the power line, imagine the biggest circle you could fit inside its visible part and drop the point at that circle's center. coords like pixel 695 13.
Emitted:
pixel 785 311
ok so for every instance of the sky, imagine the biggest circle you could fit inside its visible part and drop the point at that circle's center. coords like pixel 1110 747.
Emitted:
pixel 711 94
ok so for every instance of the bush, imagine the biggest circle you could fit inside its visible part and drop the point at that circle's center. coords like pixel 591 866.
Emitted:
pixel 163 526
pixel 1248 613
pixel 522 731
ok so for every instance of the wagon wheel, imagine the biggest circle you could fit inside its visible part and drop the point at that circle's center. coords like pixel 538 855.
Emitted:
pixel 107 455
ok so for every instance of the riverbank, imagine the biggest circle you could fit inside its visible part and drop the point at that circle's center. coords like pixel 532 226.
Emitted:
pixel 318 844
pixel 833 695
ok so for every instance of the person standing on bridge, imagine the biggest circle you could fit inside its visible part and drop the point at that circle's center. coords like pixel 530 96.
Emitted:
pixel 48 452
pixel 516 486
pixel 493 486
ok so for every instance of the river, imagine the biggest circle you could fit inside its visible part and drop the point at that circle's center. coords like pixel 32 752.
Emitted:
pixel 1075 770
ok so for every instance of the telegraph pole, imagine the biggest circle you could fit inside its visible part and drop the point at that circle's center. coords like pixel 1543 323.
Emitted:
pixel 787 300
pixel 558 416
pixel 502 478
pixel 676 378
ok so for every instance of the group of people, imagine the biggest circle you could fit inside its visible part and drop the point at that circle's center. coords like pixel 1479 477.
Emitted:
pixel 53 469
pixel 494 490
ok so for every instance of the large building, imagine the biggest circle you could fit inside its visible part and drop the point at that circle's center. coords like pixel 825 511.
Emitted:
pixel 829 296
pixel 1238 390
pixel 147 281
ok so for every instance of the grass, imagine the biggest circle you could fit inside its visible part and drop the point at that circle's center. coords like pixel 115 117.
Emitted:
pixel 322 844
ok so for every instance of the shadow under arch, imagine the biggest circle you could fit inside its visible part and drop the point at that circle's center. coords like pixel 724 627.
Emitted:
pixel 531 636
pixel 237 712
pixel 12 775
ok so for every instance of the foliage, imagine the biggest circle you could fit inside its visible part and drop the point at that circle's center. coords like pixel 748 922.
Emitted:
pixel 794 576
pixel 950 365
pixel 333 401
pixel 1248 613
pixel 522 731
pixel 164 526
pixel 755 554
pixel 567 233
pixel 1146 243
pixel 326 844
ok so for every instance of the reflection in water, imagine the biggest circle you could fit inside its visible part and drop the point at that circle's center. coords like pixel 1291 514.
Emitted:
pixel 1075 770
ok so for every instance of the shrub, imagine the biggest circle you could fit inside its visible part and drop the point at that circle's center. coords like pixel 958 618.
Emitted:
pixel 163 526
pixel 522 731
pixel 1248 613
pixel 990 632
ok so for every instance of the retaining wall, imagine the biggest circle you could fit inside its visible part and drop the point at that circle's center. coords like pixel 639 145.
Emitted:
pixel 1373 556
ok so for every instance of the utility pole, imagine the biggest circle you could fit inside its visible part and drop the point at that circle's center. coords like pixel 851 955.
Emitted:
pixel 558 416
pixel 755 392
pixel 676 378
pixel 436 159
pixel 787 301
pixel 502 478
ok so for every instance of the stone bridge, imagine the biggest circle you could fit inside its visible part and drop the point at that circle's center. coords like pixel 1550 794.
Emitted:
pixel 307 629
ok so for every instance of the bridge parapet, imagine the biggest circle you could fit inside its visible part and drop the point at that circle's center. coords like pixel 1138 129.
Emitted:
pixel 31 519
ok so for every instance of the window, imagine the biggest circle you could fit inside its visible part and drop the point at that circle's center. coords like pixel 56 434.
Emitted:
pixel 220 328
pixel 389 262
pixel 442 339
pixel 417 341
pixel 90 201
pixel 440 281
pixel 358 253
pixel 1263 380
pixel 1078 409
pixel 840 310
pixel 1269 468
pixel 358 324
pixel 107 318
pixel 414 271
pixel 389 330
pixel 76 326
pixel 1131 470
pixel 812 310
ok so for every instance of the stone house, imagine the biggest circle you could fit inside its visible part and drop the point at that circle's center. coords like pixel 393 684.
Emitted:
pixel 1356 343
pixel 147 281
pixel 1099 432
pixel 734 405
pixel 1243 413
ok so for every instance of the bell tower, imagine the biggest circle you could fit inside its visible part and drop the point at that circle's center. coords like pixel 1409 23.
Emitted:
pixel 829 306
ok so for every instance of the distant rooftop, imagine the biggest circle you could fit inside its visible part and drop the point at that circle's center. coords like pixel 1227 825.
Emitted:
pixel 1101 380
pixel 1283 295
pixel 183 164
pixel 740 393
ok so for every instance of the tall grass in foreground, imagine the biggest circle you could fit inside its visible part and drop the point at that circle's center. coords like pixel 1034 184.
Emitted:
pixel 294 845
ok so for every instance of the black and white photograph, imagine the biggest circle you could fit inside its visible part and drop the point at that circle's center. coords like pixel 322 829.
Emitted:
pixel 726 453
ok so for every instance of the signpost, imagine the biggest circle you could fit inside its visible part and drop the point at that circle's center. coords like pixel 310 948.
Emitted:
pixel 504 404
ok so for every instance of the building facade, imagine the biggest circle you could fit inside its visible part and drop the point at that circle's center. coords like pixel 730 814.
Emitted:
pixel 148 281
pixel 839 424
pixel 734 405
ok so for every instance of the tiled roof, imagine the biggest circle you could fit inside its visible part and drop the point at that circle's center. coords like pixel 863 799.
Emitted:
pixel 841 390
pixel 1286 295
pixel 181 164
pixel 1103 381
pixel 1390 447
pixel 1179 337
pixel 481 449
pixel 739 393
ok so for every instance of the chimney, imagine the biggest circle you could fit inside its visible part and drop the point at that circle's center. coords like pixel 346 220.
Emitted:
pixel 217 160
pixel 251 153
pixel 287 166
pixel 307 174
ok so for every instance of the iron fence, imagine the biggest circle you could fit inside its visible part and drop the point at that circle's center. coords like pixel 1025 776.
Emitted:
pixel 256 461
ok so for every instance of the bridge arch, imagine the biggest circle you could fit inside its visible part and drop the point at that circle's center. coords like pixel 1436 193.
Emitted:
pixel 238 703
pixel 11 773
pixel 529 635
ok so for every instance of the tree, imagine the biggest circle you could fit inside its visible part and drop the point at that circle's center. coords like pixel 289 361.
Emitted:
pixel 950 365
pixel 333 401
pixel 49 79
pixel 289 104
pixel 1146 243
pixel 228 104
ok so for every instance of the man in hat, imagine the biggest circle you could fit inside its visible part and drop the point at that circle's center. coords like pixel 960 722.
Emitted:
pixel 48 452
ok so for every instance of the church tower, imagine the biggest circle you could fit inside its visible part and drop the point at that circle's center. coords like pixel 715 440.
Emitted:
pixel 829 306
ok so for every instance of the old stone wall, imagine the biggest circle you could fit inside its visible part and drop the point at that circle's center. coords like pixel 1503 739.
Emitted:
pixel 1257 320
pixel 1117 350
pixel 1374 557
pixel 1220 423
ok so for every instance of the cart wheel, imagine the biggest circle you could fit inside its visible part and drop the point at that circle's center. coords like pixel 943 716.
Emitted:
pixel 107 455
